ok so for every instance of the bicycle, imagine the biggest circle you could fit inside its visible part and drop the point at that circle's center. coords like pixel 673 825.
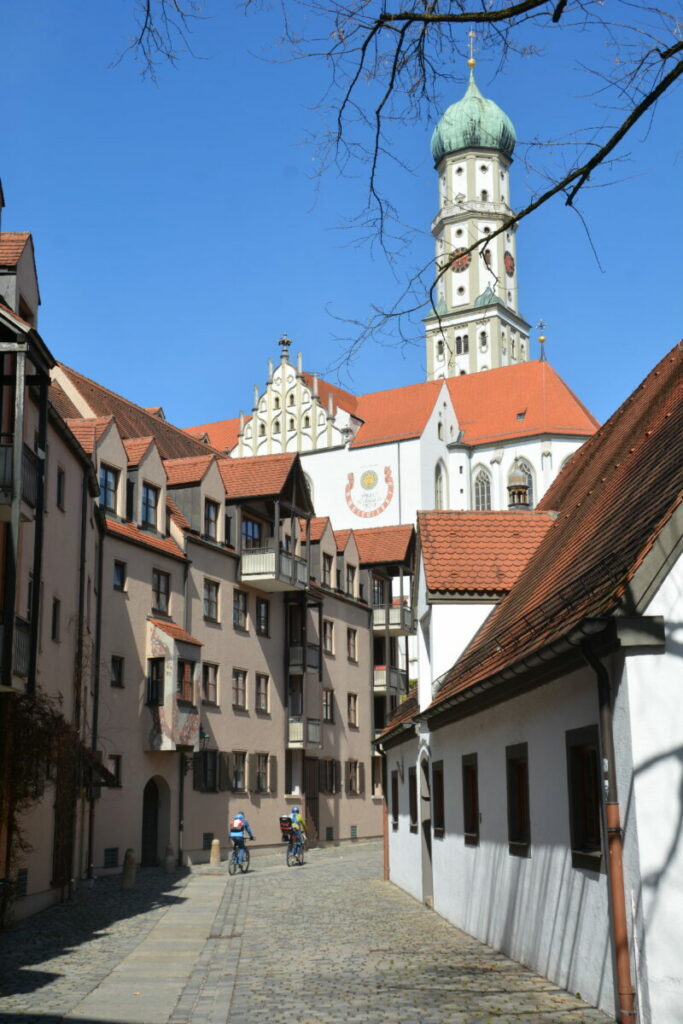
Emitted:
pixel 239 858
pixel 295 850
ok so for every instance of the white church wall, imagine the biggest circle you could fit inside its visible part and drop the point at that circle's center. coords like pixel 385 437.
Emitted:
pixel 652 719
pixel 538 910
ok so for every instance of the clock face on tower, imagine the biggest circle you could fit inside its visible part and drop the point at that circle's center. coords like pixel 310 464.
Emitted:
pixel 460 260
pixel 509 261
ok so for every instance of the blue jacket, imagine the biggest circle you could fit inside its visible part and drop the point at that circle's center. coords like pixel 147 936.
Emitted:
pixel 239 833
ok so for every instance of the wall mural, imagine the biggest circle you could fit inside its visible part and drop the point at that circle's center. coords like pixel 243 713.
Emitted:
pixel 370 495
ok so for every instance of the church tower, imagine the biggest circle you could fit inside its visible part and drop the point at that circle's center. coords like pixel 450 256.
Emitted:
pixel 475 324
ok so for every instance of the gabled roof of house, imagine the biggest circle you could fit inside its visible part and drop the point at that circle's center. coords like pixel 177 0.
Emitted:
pixel 134 421
pixel 318 524
pixel 136 449
pixel 522 400
pixel 12 245
pixel 478 552
pixel 382 545
pixel 341 399
pixel 611 510
pixel 178 517
pixel 184 472
pixel 128 531
pixel 61 402
pixel 177 632
pixel 403 715
pixel 395 415
pixel 342 539
pixel 259 476
pixel 88 431
pixel 223 434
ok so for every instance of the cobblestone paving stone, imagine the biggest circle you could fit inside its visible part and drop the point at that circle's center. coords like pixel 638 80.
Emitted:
pixel 324 943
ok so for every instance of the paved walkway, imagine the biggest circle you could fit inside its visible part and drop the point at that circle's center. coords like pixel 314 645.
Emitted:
pixel 326 943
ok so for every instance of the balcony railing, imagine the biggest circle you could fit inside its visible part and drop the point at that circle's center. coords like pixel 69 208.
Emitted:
pixel 304 657
pixel 261 564
pixel 21 645
pixel 390 679
pixel 304 732
pixel 397 619
pixel 30 471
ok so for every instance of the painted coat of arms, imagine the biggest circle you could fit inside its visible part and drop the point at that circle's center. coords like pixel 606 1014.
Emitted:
pixel 370 494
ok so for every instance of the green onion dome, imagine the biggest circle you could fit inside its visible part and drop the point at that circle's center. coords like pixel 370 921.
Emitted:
pixel 473 122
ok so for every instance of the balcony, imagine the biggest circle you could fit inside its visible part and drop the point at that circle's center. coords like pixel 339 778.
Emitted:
pixel 21 654
pixel 30 472
pixel 389 680
pixel 304 658
pixel 272 570
pixel 397 620
pixel 303 732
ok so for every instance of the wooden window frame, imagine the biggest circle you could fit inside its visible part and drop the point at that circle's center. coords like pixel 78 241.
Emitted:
pixel 239 687
pixel 240 606
pixel 262 693
pixel 394 801
pixel 117 678
pixel 239 757
pixel 120 572
pixel 262 616
pixel 438 800
pixel 210 683
pixel 211 600
pixel 517 785
pixel 584 798
pixel 212 511
pixel 161 588
pixel 328 706
pixel 352 710
pixel 352 644
pixel 109 485
pixel 148 507
pixel 412 798
pixel 156 673
pixel 185 681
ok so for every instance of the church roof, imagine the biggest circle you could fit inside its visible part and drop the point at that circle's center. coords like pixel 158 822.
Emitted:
pixel 341 399
pixel 473 122
pixel 12 245
pixel 134 421
pixel 380 545
pixel 222 434
pixel 478 552
pixel 521 400
pixel 612 504
pixel 395 415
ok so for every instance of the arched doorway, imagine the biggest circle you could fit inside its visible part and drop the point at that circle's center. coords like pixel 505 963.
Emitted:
pixel 426 832
pixel 156 821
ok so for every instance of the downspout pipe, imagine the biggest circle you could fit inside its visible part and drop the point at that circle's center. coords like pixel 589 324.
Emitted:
pixel 96 685
pixel 626 1012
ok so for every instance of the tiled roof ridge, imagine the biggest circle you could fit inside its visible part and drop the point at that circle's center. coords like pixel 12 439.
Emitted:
pixel 133 405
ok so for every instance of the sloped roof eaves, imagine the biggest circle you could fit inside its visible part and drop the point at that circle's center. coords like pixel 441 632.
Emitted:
pixel 187 471
pixel 259 476
pixel 129 532
pixel 385 545
pixel 402 723
pixel 582 568
pixel 12 245
pixel 176 632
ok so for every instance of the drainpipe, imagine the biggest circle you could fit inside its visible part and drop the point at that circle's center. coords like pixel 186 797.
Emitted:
pixel 181 806
pixel 626 1007
pixel 39 533
pixel 96 687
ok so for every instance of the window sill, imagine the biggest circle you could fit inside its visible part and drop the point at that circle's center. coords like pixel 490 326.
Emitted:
pixel 211 620
pixel 239 707
pixel 264 636
pixel 439 833
pixel 587 860
pixel 519 849
pixel 394 826
pixel 209 703
pixel 471 839
pixel 263 712
pixel 413 829
pixel 240 629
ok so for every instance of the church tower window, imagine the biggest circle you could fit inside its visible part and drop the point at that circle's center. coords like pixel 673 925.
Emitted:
pixel 440 487
pixel 291 423
pixel 262 430
pixel 482 491
pixel 290 399
pixel 439 347
pixel 276 427
pixel 307 422
pixel 276 403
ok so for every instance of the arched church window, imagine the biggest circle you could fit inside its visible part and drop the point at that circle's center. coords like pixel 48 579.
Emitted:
pixel 276 427
pixel 487 257
pixel 439 431
pixel 439 347
pixel 483 340
pixel 484 196
pixel 521 349
pixel 290 399
pixel 512 348
pixel 291 423
pixel 307 422
pixel 440 487
pixel 458 346
pixel 262 430
pixel 482 490
pixel 465 344
pixel 524 467
pixel 276 402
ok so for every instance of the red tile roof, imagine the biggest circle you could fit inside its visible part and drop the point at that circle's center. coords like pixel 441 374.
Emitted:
pixel 612 503
pixel 342 539
pixel 127 531
pixel 61 402
pixel 341 399
pixel 222 435
pixel 381 545
pixel 181 472
pixel 176 632
pixel 318 524
pixel 478 552
pixel 517 401
pixel 395 415
pixel 259 476
pixel 134 421
pixel 88 431
pixel 136 449
pixel 12 245
pixel 177 516
pixel 404 713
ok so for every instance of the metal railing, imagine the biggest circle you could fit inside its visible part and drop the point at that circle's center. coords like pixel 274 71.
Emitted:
pixel 304 658
pixel 399 618
pixel 389 679
pixel 30 471
pixel 261 562
pixel 304 730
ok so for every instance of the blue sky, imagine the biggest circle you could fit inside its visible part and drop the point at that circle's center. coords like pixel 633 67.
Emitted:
pixel 180 227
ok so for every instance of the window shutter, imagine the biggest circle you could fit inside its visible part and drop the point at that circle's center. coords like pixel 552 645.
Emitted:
pixel 224 780
pixel 321 777
pixel 198 772
pixel 337 777
pixel 251 778
pixel 348 778
pixel 361 777
pixel 272 773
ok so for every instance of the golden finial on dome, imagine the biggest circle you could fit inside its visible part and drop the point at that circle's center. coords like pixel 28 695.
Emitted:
pixel 471 62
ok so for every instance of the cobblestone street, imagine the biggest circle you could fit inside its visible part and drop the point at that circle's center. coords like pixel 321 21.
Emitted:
pixel 326 943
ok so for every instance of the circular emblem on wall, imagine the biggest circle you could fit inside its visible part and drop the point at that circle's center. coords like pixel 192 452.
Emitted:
pixel 370 496
pixel 509 261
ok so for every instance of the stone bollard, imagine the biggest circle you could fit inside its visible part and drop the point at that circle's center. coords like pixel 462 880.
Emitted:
pixel 128 876
pixel 215 857
pixel 169 861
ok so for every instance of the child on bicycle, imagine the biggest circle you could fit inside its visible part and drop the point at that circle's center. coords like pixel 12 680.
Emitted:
pixel 238 826
pixel 298 825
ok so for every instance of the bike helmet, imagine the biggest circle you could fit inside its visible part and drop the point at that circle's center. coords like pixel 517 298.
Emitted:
pixel 295 810
pixel 240 816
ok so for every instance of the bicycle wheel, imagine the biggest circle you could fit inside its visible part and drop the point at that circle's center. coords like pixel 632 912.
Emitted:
pixel 301 854
pixel 232 863
pixel 244 861
pixel 291 855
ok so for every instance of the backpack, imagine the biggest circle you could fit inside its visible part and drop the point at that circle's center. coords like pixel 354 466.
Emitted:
pixel 237 825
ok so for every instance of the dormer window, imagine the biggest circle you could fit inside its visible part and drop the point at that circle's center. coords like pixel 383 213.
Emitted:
pixel 211 513
pixel 150 504
pixel 351 580
pixel 109 481
pixel 327 570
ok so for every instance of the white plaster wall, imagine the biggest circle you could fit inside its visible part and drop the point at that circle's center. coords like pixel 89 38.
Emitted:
pixel 404 845
pixel 453 626
pixel 538 910
pixel 655 806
